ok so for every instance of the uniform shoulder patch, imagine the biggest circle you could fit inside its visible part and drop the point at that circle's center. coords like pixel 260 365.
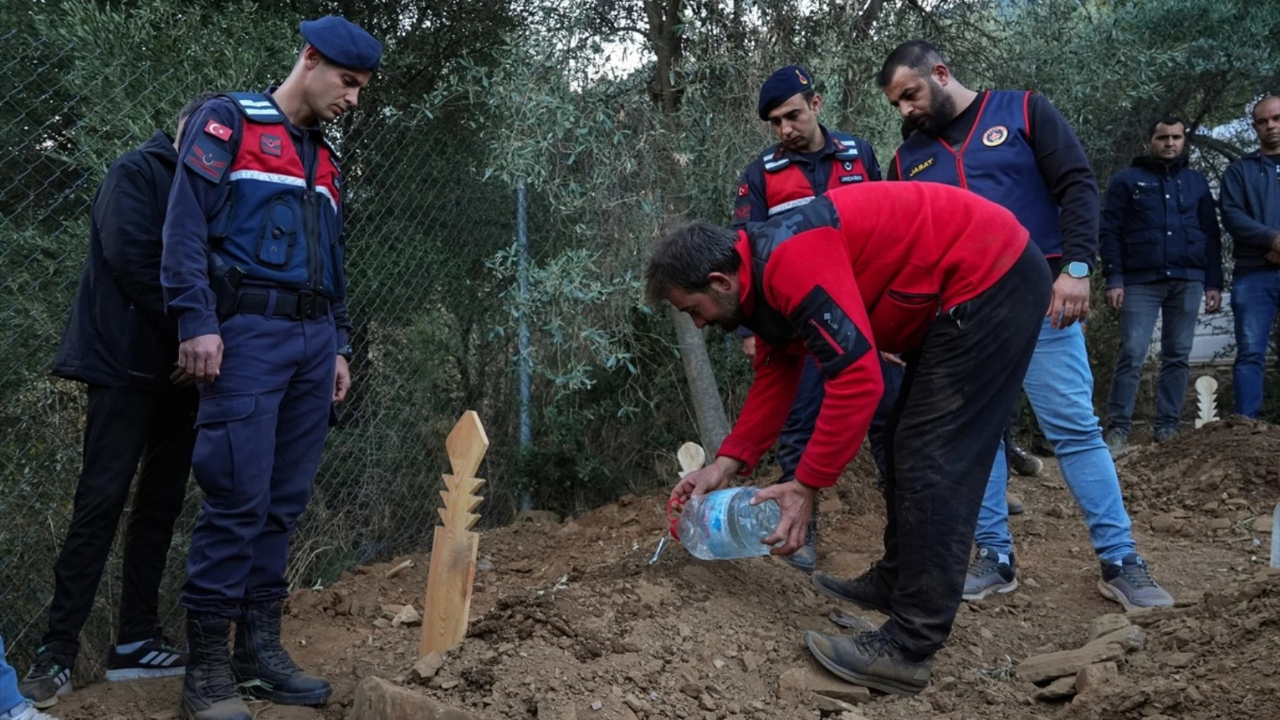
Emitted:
pixel 218 130
pixel 828 333
pixel 207 160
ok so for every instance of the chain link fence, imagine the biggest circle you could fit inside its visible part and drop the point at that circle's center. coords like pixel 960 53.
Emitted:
pixel 427 300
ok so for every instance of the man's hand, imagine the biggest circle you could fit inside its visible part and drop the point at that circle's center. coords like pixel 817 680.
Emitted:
pixel 1115 297
pixel 1212 301
pixel 201 357
pixel 749 346
pixel 341 379
pixel 892 359
pixel 1275 244
pixel 1273 256
pixel 795 499
pixel 708 479
pixel 181 378
pixel 1070 302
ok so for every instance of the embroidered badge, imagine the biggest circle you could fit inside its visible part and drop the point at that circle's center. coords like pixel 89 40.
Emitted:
pixel 742 190
pixel 920 168
pixel 995 136
pixel 218 130
pixel 209 162
pixel 270 145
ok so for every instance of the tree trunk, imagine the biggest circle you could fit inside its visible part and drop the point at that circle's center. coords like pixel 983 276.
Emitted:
pixel 664 18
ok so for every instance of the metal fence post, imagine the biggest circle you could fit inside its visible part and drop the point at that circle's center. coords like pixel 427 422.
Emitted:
pixel 525 367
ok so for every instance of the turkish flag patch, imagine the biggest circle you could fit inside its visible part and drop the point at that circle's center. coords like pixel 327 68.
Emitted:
pixel 270 145
pixel 742 190
pixel 208 161
pixel 218 130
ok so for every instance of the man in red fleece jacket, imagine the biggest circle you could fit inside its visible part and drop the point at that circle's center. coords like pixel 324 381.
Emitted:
pixel 937 274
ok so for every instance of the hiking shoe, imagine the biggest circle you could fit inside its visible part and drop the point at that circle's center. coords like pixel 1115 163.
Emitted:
pixel 1164 434
pixel 870 659
pixel 868 591
pixel 1015 503
pixel 30 713
pixel 851 622
pixel 156 658
pixel 1117 441
pixel 48 678
pixel 1129 583
pixel 988 575
pixel 1021 461
pixel 806 557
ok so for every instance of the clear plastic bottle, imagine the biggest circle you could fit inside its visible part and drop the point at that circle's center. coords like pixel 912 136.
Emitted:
pixel 723 525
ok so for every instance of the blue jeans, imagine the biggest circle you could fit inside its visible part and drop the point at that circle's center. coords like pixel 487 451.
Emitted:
pixel 1254 299
pixel 1178 301
pixel 1059 385
pixel 804 413
pixel 10 698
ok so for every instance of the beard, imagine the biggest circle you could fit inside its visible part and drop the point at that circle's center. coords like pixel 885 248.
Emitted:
pixel 942 110
pixel 731 315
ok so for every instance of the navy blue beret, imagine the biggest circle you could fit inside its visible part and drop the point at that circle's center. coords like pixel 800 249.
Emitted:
pixel 781 85
pixel 343 42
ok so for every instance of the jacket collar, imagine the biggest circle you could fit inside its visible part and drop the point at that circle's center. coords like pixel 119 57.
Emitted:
pixel 1160 167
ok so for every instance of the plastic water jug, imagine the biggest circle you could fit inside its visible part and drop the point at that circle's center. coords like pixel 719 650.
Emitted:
pixel 723 525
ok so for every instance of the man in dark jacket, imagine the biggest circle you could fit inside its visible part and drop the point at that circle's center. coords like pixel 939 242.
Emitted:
pixel 120 342
pixel 1161 250
pixel 1251 213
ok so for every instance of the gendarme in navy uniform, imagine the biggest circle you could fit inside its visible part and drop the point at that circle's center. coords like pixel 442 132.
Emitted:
pixel 253 271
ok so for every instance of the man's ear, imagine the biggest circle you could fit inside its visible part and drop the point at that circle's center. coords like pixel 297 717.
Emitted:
pixel 816 104
pixel 312 57
pixel 723 282
pixel 941 74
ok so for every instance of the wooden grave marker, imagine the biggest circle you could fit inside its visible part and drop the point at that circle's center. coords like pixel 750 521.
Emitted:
pixel 453 555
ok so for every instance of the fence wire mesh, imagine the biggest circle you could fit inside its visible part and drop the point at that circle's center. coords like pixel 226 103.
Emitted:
pixel 423 227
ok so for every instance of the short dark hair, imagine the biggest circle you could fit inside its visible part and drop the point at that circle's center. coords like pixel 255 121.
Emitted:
pixel 194 104
pixel 687 255
pixel 1169 120
pixel 919 55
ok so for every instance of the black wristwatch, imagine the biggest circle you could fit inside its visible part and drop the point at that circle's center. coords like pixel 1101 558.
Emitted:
pixel 346 351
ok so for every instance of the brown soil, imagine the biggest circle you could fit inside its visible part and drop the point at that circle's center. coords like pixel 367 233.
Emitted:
pixel 570 617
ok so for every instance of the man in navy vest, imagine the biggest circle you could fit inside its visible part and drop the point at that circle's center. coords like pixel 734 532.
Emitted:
pixel 808 160
pixel 1161 251
pixel 258 289
pixel 1014 148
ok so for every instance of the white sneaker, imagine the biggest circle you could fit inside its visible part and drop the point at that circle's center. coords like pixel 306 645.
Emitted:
pixel 33 714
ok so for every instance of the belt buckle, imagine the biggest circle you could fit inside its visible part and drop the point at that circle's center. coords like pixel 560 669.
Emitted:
pixel 306 306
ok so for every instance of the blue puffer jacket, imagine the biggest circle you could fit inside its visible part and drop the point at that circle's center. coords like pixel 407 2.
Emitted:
pixel 1159 222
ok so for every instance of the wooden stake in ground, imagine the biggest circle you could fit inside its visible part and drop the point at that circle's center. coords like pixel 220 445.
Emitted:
pixel 453 556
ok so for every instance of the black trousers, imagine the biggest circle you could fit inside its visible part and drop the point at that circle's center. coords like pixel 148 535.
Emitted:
pixel 951 413
pixel 126 432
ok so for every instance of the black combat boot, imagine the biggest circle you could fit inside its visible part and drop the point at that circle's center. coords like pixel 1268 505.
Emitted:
pixel 208 690
pixel 264 668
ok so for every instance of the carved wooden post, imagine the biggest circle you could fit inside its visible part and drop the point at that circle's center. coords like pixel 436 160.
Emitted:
pixel 453 555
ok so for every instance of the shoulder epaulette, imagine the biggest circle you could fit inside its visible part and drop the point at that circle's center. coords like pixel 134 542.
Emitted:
pixel 774 159
pixel 846 146
pixel 256 107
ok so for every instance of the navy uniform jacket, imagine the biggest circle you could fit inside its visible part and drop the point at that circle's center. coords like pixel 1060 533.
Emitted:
pixel 193 203
pixel 1159 223
pixel 118 334
pixel 844 159
pixel 1251 209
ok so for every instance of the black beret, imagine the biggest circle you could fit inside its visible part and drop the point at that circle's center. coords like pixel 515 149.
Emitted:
pixel 343 42
pixel 781 85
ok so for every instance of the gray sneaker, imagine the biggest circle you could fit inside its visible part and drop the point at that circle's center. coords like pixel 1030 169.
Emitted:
pixel 48 678
pixel 1130 584
pixel 1164 434
pixel 1117 441
pixel 872 660
pixel 988 575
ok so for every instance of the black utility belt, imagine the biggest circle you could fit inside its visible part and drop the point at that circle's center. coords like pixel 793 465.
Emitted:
pixel 288 304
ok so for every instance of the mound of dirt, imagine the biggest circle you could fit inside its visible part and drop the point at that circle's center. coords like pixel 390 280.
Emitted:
pixel 570 622
pixel 1223 478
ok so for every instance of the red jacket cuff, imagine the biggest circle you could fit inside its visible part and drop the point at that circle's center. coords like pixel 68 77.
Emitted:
pixel 748 456
pixel 808 475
